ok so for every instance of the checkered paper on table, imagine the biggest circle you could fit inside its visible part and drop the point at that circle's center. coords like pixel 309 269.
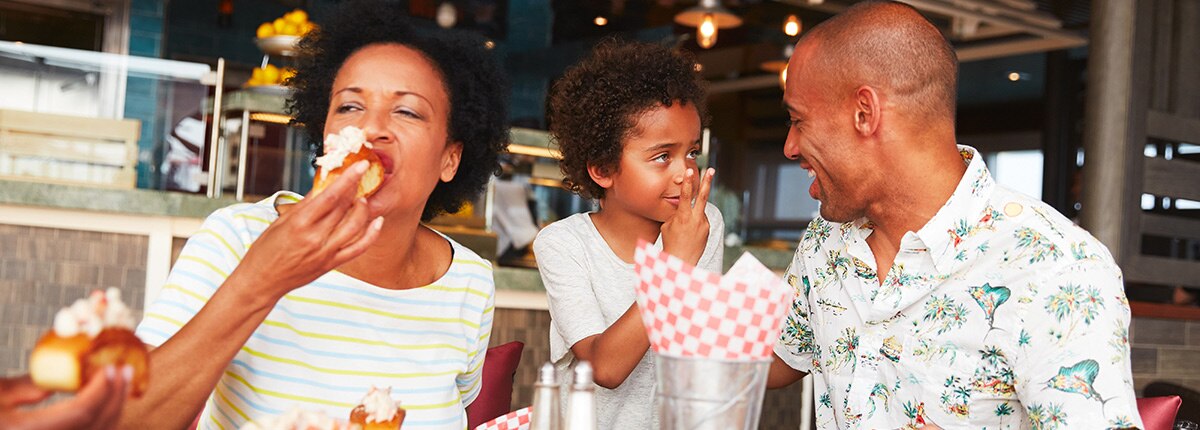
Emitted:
pixel 691 312
pixel 515 420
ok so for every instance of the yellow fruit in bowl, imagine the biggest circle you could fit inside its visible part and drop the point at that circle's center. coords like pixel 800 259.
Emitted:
pixel 270 74
pixel 256 77
pixel 291 29
pixel 279 25
pixel 307 27
pixel 264 31
pixel 297 16
pixel 286 74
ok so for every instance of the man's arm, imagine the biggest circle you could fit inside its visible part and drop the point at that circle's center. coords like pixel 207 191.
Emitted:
pixel 1071 355
pixel 781 374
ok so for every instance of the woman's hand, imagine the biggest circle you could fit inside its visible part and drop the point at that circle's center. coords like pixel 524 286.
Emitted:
pixel 97 405
pixel 315 236
pixel 686 232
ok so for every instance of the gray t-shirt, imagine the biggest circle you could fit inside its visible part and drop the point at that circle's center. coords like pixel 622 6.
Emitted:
pixel 589 288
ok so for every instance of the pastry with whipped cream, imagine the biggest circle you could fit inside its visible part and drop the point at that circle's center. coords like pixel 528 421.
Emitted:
pixel 297 419
pixel 378 411
pixel 342 150
pixel 87 336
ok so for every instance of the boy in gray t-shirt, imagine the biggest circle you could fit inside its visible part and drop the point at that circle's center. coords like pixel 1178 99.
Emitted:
pixel 628 120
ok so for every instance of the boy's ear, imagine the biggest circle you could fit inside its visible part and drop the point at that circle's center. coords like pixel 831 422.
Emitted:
pixel 600 176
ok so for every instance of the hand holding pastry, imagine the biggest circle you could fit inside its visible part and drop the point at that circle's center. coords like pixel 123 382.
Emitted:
pixel 310 238
pixel 89 335
pixel 685 234
pixel 97 405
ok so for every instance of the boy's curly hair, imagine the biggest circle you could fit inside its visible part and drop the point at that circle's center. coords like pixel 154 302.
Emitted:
pixel 596 103
pixel 474 80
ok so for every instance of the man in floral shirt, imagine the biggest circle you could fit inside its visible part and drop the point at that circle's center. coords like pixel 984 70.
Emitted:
pixel 928 295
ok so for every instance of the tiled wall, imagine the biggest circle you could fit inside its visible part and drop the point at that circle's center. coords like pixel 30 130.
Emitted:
pixel 780 407
pixel 141 93
pixel 1165 351
pixel 43 269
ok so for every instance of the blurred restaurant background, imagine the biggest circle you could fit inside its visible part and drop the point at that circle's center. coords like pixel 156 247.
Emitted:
pixel 123 123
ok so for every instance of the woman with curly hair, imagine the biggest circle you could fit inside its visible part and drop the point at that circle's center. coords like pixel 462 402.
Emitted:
pixel 628 120
pixel 338 294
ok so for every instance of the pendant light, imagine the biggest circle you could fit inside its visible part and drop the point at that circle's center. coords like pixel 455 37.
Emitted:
pixel 708 18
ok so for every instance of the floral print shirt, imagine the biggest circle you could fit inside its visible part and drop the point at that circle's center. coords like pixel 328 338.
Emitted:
pixel 999 313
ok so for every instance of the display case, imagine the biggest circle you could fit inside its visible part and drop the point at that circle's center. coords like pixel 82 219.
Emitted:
pixel 78 117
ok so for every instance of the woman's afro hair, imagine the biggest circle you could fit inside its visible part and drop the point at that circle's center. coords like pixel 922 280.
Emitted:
pixel 474 80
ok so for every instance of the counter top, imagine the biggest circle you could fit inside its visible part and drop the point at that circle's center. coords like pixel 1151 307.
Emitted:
pixel 182 205
pixel 133 202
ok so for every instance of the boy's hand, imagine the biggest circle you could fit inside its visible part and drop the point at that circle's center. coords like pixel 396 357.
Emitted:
pixel 686 232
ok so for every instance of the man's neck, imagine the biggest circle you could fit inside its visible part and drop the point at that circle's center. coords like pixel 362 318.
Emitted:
pixel 621 229
pixel 920 184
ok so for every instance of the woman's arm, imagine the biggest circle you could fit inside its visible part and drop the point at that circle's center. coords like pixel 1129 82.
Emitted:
pixel 319 234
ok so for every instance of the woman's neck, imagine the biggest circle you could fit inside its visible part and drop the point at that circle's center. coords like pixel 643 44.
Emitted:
pixel 406 255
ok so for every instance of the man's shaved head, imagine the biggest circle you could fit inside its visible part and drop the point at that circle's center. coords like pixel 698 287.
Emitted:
pixel 891 47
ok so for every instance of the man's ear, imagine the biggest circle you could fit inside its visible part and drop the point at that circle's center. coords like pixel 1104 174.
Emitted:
pixel 451 156
pixel 867 110
pixel 600 175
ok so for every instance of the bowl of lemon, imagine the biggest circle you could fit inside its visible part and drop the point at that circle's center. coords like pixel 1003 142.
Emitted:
pixel 279 37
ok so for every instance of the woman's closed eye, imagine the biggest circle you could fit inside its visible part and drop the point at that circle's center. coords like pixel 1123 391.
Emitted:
pixel 348 107
pixel 408 113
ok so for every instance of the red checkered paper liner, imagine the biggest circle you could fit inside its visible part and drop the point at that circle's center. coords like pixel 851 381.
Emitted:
pixel 515 420
pixel 691 312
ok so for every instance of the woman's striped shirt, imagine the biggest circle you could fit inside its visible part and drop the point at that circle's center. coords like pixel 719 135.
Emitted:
pixel 325 344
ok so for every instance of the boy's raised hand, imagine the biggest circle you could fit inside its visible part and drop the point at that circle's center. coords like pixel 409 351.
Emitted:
pixel 686 232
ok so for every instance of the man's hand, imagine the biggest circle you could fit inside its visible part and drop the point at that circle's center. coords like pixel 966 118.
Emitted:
pixel 97 405
pixel 686 232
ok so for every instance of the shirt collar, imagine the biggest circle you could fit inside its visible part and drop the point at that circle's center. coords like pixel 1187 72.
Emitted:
pixel 966 204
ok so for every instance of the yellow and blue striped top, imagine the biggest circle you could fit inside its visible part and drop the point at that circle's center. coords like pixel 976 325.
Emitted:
pixel 325 344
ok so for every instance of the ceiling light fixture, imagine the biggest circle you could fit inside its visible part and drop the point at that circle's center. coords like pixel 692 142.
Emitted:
pixel 780 66
pixel 791 26
pixel 447 15
pixel 708 18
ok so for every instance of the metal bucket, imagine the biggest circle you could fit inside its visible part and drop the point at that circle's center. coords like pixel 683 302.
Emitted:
pixel 697 393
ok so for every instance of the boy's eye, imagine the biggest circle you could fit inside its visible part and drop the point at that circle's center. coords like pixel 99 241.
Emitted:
pixel 661 157
pixel 694 154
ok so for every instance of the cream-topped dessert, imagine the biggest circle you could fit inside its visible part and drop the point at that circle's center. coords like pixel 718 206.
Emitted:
pixel 342 150
pixel 100 310
pixel 378 411
pixel 87 336
pixel 339 146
